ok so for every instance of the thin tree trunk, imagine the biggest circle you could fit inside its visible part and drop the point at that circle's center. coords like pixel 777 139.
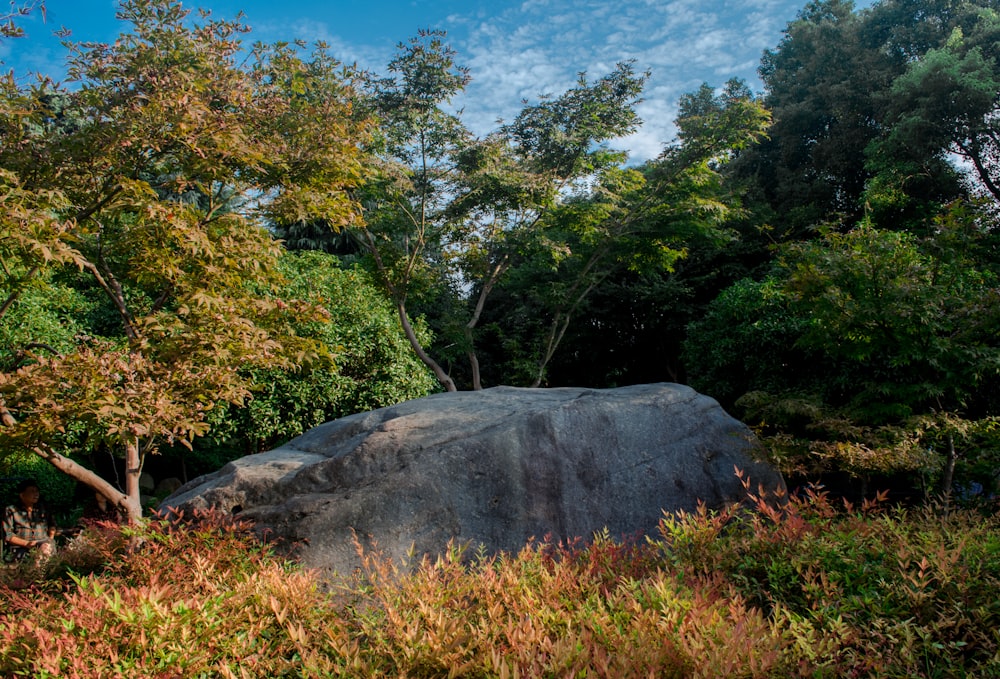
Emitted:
pixel 552 339
pixel 477 382
pixel 411 335
pixel 117 296
pixel 6 419
pixel 947 478
pixel 368 243
pixel 477 313
pixel 557 329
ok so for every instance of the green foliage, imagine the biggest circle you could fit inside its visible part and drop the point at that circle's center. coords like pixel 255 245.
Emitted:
pixel 557 136
pixel 819 82
pixel 46 313
pixel 856 342
pixel 867 104
pixel 152 177
pixel 917 320
pixel 750 319
pixel 58 491
pixel 368 363
pixel 844 583
pixel 796 589
pixel 424 76
pixel 947 102
pixel 716 127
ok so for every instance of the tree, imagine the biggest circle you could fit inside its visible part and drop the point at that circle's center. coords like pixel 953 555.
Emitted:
pixel 374 364
pixel 904 331
pixel 747 339
pixel 855 95
pixel 404 230
pixel 948 102
pixel 461 210
pixel 153 177
pixel 819 82
pixel 633 220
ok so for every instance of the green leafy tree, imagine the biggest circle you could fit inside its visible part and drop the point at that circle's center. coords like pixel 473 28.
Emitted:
pixel 885 335
pixel 948 102
pixel 633 220
pixel 920 324
pixel 819 83
pixel 865 112
pixel 375 366
pixel 455 213
pixel 153 177
pixel 404 231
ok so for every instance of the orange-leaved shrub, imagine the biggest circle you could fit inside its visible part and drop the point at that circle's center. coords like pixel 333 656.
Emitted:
pixel 797 588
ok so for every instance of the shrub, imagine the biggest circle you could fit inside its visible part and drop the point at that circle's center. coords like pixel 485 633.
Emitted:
pixel 796 589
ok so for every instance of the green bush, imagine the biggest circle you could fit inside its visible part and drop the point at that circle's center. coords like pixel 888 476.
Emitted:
pixel 57 489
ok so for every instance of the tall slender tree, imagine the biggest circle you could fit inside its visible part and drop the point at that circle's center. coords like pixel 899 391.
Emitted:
pixel 453 212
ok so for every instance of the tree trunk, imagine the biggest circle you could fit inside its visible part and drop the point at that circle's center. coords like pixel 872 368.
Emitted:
pixel 561 319
pixel 947 478
pixel 556 331
pixel 411 335
pixel 470 327
pixel 133 468
pixel 477 382
pixel 79 472
pixel 88 478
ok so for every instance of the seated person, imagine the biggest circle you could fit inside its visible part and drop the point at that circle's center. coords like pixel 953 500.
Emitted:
pixel 27 524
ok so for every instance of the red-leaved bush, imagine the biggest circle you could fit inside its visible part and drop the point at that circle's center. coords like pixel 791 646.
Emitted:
pixel 797 588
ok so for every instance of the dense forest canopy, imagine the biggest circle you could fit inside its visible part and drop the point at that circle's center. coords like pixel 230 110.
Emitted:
pixel 209 245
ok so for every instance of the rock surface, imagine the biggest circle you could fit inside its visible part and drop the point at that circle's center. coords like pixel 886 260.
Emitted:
pixel 496 467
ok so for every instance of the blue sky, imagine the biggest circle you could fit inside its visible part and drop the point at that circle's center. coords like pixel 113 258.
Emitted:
pixel 515 50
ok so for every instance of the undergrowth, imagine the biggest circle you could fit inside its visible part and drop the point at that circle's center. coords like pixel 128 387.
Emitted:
pixel 800 588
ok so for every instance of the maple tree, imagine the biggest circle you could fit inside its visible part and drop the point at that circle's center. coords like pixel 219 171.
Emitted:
pixel 9 27
pixel 153 174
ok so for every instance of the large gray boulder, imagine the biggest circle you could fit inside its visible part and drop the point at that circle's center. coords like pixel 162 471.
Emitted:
pixel 494 467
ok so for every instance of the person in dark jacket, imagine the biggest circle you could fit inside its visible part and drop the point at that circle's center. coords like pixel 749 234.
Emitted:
pixel 28 527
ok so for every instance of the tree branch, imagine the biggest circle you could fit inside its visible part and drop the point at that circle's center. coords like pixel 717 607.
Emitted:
pixel 94 208
pixel 411 335
pixel 984 175
pixel 117 297
pixel 22 354
pixel 85 476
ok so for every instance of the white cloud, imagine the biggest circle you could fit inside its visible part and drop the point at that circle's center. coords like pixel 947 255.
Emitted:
pixel 518 49
pixel 539 46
